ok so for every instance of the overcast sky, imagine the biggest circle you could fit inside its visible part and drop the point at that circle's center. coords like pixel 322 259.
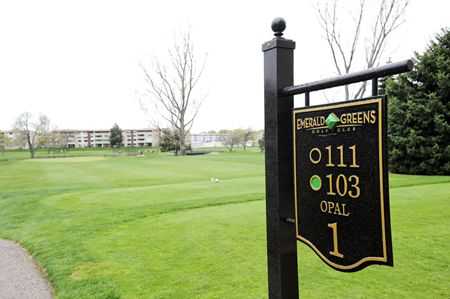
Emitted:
pixel 78 61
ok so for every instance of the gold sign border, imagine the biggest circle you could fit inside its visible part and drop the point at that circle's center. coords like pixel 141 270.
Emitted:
pixel 383 258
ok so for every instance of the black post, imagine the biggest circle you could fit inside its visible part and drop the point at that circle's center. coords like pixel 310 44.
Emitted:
pixel 281 239
pixel 375 86
pixel 307 99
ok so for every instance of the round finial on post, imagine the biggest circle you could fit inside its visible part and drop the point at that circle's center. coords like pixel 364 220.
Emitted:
pixel 278 26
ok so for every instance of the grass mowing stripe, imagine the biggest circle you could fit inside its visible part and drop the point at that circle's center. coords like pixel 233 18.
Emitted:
pixel 156 227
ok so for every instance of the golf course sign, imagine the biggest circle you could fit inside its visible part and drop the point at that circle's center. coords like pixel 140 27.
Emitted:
pixel 340 183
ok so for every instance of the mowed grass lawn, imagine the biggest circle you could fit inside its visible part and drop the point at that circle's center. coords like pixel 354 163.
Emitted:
pixel 157 227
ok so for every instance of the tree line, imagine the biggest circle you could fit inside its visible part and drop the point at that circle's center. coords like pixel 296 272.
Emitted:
pixel 231 139
pixel 419 112
pixel 35 133
pixel 32 133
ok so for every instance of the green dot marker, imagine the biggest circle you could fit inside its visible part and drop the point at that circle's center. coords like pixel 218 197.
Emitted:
pixel 315 182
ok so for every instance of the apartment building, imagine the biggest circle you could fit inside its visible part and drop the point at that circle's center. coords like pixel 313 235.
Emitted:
pixel 140 137
pixel 95 138
pixel 207 140
pixel 100 138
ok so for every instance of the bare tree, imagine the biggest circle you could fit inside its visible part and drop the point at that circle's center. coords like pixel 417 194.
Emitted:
pixel 232 138
pixel 171 87
pixel 344 50
pixel 54 141
pixel 248 135
pixel 65 139
pixel 261 143
pixel 5 141
pixel 31 132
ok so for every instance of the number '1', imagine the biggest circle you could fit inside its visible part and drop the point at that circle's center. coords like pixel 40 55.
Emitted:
pixel 335 251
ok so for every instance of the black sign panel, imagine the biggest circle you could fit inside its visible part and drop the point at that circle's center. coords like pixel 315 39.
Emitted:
pixel 341 183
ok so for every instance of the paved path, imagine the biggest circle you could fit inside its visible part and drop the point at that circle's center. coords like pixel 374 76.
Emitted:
pixel 20 278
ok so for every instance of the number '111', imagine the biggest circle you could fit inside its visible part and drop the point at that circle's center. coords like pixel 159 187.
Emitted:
pixel 315 155
pixel 341 156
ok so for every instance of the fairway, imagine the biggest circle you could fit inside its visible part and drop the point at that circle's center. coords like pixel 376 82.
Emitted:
pixel 159 227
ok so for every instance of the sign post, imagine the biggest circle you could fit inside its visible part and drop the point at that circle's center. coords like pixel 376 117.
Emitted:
pixel 326 171
pixel 281 242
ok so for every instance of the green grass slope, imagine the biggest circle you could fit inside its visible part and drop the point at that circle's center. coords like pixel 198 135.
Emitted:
pixel 157 227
